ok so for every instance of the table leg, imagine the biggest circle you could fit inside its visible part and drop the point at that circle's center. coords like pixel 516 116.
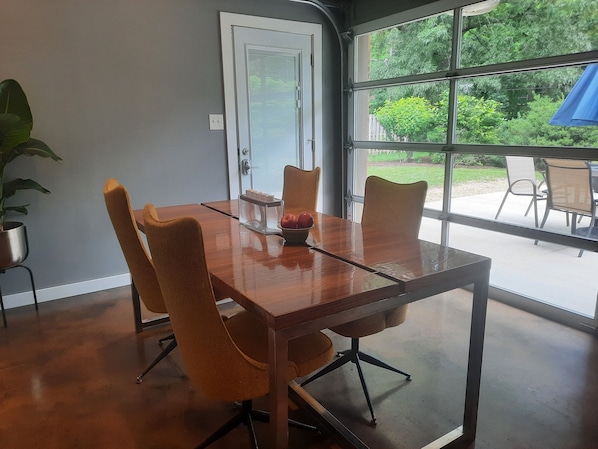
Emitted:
pixel 279 407
pixel 474 366
pixel 467 432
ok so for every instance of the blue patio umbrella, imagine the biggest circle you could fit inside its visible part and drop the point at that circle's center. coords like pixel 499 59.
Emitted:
pixel 580 107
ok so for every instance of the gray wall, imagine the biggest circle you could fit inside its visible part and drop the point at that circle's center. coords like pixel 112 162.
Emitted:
pixel 123 88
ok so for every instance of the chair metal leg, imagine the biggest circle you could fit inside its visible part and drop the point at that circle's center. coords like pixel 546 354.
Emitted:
pixel 3 311
pixel 224 429
pixel 163 354
pixel 354 355
pixel 163 339
pixel 546 212
pixel 346 358
pixel 374 361
pixel 262 416
pixel 246 416
pixel 502 204
pixel 365 391
pixel 252 436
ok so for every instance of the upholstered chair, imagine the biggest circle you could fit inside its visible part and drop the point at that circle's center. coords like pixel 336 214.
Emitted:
pixel 300 189
pixel 397 208
pixel 139 263
pixel 226 359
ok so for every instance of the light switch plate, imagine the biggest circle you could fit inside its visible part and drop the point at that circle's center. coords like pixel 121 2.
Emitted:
pixel 216 121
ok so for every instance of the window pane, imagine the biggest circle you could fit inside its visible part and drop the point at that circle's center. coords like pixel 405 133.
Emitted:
pixel 526 29
pixel 515 109
pixel 403 167
pixel 546 272
pixel 533 269
pixel 411 49
pixel 499 188
pixel 411 113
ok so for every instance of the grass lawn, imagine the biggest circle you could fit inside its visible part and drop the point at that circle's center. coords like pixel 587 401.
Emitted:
pixel 434 173
pixel 393 166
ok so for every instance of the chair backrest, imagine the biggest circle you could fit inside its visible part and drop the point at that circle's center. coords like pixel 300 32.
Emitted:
pixel 213 362
pixel 569 186
pixel 300 189
pixel 136 255
pixel 392 206
pixel 521 173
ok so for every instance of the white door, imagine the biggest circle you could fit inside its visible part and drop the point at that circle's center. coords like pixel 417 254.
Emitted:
pixel 271 119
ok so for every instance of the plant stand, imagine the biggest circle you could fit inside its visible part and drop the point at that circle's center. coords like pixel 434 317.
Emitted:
pixel 14 249
pixel 32 287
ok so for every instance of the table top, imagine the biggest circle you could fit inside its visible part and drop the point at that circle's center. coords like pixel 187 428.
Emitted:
pixel 414 264
pixel 283 285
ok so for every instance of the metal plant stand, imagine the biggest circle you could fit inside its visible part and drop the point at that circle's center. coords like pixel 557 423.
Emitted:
pixel 15 236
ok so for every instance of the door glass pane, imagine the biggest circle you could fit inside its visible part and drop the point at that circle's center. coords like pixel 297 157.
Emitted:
pixel 273 116
pixel 527 29
pixel 399 51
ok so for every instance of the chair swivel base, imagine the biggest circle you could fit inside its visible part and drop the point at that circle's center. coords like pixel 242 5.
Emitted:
pixel 246 416
pixel 164 353
pixel 354 355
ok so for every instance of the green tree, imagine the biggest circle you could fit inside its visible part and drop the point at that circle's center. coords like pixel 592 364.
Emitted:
pixel 528 29
pixel 516 30
pixel 532 128
pixel 407 119
pixel 415 119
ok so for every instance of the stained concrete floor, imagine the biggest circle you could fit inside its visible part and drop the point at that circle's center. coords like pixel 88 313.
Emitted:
pixel 67 380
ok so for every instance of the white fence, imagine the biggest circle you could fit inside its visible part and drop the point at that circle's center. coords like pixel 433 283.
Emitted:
pixel 376 130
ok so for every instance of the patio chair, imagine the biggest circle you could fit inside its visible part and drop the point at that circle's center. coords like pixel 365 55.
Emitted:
pixel 521 173
pixel 570 190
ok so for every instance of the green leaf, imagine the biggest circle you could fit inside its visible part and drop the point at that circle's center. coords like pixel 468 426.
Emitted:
pixel 11 187
pixel 17 209
pixel 35 147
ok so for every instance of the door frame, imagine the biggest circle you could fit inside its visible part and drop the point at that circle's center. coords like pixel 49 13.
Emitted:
pixel 227 22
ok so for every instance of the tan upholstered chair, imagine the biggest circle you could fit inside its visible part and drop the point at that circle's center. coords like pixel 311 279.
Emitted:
pixel 397 208
pixel 226 359
pixel 300 189
pixel 570 190
pixel 140 265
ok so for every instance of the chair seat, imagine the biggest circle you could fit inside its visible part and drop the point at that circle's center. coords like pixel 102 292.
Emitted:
pixel 372 324
pixel 308 352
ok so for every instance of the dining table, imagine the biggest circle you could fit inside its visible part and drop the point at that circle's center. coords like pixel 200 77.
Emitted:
pixel 343 271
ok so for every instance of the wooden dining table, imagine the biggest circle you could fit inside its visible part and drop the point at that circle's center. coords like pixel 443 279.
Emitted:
pixel 343 272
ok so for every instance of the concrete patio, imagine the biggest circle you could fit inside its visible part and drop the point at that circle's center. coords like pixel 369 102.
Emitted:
pixel 546 272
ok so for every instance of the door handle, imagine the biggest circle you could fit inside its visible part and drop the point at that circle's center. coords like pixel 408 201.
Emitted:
pixel 245 166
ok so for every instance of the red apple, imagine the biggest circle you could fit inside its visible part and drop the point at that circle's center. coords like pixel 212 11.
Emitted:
pixel 289 221
pixel 305 220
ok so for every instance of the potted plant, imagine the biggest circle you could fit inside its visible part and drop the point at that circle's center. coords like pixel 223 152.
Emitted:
pixel 16 123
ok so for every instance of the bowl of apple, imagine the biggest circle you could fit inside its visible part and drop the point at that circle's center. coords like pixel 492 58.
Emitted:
pixel 295 228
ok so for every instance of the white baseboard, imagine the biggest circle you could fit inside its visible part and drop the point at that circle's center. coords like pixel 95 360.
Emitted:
pixel 65 291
